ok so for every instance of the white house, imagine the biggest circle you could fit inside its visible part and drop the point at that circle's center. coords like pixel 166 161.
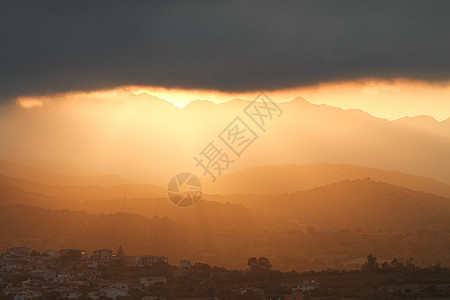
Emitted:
pixel 100 257
pixel 250 290
pixel 113 293
pixel 46 274
pixel 152 280
pixel 185 265
pixel 69 292
pixel 17 254
pixel 102 254
pixel 16 266
pixel 306 285
pixel 94 295
pixel 160 259
pixel 144 260
pixel 120 286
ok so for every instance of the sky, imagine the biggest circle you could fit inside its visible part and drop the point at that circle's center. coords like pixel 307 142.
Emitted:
pixel 227 47
pixel 75 63
pixel 394 99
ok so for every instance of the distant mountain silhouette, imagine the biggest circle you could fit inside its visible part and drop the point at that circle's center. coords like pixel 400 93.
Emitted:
pixel 321 133
pixel 147 135
pixel 427 124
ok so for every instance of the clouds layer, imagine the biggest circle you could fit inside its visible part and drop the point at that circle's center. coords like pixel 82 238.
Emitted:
pixel 233 46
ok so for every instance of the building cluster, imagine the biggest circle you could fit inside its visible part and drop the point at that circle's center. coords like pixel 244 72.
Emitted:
pixel 26 274
pixel 411 289
pixel 299 289
pixel 72 274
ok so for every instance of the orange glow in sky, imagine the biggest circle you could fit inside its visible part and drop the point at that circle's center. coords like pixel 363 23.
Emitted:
pixel 386 99
pixel 29 102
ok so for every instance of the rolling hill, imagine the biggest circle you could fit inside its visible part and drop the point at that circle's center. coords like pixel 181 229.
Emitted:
pixel 301 217
pixel 365 204
pixel 293 178
pixel 84 192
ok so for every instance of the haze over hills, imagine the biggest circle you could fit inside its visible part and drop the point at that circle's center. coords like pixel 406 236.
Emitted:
pixel 276 200
pixel 84 192
pixel 427 124
pixel 293 178
pixel 11 169
pixel 207 214
pixel 327 134
pixel 365 204
pixel 147 135
pixel 331 225
pixel 53 167
pixel 229 241
pixel 258 180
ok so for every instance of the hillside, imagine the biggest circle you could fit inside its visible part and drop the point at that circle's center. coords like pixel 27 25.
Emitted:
pixel 11 169
pixel 44 229
pixel 335 225
pixel 292 178
pixel 365 204
pixel 369 205
pixel 84 192
pixel 137 199
pixel 53 167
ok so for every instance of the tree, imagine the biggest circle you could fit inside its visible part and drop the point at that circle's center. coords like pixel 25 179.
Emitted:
pixel 371 265
pixel 252 264
pixel 260 264
pixel 396 265
pixel 120 252
pixel 394 262
pixel 264 264
pixel 410 265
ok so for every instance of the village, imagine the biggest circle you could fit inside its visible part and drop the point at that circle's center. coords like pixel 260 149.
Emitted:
pixel 71 274
pixel 27 274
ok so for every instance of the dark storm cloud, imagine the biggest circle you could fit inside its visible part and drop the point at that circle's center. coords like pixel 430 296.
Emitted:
pixel 231 46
